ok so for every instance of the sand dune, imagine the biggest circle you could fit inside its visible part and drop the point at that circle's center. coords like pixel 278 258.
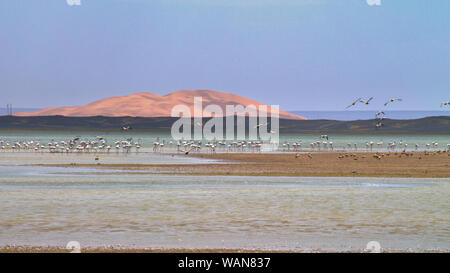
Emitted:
pixel 151 105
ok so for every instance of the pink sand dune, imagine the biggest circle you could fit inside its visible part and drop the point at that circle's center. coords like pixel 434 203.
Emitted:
pixel 151 105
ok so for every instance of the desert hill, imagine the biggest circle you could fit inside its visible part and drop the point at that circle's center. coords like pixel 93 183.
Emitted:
pixel 150 105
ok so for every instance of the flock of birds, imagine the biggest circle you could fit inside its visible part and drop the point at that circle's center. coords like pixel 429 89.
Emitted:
pixel 212 146
pixel 380 115
pixel 322 145
pixel 101 145
pixel 72 145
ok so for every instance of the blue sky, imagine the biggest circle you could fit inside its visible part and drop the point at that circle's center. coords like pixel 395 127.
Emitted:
pixel 300 54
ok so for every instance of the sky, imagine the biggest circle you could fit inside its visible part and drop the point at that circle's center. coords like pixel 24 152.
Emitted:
pixel 299 54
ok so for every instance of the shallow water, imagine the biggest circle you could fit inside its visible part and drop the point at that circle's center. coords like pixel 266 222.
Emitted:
pixel 24 158
pixel 40 207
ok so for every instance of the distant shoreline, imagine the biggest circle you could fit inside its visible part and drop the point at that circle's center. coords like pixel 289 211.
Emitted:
pixel 339 115
pixel 344 115
pixel 439 125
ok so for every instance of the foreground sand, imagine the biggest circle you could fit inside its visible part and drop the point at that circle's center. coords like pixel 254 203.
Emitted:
pixel 37 249
pixel 412 164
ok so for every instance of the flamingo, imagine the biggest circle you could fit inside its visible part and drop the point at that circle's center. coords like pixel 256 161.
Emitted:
pixel 354 103
pixel 380 144
pixel 379 124
pixel 379 113
pixel 392 100
pixel 260 125
pixel 367 101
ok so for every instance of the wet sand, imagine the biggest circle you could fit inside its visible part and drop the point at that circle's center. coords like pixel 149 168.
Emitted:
pixel 393 164
pixel 340 164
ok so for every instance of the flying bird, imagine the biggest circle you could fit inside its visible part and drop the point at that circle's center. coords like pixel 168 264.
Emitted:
pixel 262 124
pixel 392 100
pixel 367 101
pixel 379 124
pixel 445 103
pixel 354 103
pixel 379 114
pixel 126 128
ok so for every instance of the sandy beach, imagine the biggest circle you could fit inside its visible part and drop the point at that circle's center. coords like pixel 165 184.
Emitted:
pixel 389 164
